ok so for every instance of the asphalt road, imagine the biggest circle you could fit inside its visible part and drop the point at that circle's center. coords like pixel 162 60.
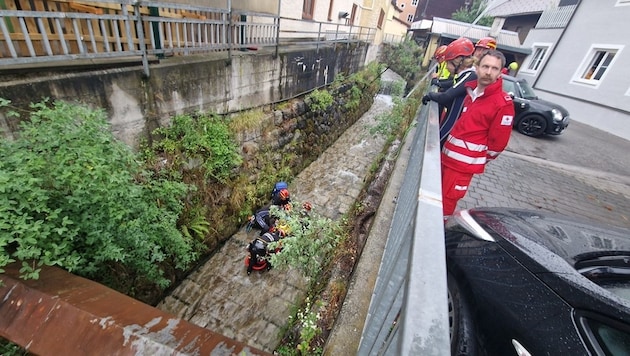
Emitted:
pixel 579 145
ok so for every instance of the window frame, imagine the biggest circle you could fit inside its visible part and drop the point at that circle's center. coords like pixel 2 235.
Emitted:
pixel 308 13
pixel 409 17
pixel 381 19
pixel 591 60
pixel 622 3
pixel 538 63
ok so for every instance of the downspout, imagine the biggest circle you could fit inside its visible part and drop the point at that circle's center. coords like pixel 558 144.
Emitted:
pixel 557 42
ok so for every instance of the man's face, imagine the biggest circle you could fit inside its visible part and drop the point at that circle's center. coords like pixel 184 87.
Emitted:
pixel 488 70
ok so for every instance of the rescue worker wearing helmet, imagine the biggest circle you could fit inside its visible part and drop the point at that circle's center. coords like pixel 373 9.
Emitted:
pixel 262 219
pixel 442 77
pixel 282 198
pixel 460 60
pixel 259 251
pixel 483 45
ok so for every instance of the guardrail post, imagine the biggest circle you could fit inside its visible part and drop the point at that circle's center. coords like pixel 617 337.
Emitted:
pixel 230 29
pixel 277 23
pixel 140 31
pixel 319 35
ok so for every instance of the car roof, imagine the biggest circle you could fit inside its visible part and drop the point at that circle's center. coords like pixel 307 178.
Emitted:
pixel 570 238
pixel 548 242
pixel 510 78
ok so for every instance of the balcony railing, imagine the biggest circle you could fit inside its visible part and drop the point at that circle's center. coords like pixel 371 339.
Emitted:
pixel 39 31
pixel 556 18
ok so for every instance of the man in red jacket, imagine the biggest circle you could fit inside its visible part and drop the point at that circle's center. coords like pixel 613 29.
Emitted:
pixel 481 133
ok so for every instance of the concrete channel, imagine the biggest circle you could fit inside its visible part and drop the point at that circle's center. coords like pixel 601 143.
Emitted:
pixel 220 296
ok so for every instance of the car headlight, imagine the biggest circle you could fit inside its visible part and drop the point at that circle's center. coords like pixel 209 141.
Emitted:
pixel 556 115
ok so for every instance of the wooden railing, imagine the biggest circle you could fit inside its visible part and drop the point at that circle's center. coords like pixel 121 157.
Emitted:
pixel 36 31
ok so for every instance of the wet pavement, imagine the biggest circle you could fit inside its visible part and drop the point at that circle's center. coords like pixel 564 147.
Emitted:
pixel 253 309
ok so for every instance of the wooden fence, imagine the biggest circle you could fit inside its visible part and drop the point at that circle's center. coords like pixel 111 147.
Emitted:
pixel 34 31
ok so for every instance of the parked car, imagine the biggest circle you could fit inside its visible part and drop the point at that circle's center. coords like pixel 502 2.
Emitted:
pixel 529 283
pixel 534 116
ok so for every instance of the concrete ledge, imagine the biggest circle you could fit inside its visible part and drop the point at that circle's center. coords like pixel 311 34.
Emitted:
pixel 62 314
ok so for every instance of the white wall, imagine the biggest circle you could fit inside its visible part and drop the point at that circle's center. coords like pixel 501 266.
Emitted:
pixel 607 104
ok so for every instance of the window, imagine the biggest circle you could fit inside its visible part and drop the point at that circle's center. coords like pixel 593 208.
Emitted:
pixel 596 64
pixel 402 6
pixel 410 18
pixel 330 9
pixel 353 14
pixel 307 9
pixel 381 17
pixel 623 3
pixel 536 59
pixel 414 2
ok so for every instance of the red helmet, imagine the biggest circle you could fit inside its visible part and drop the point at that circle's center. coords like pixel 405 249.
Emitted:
pixel 487 42
pixel 439 53
pixel 460 47
pixel 307 206
pixel 283 194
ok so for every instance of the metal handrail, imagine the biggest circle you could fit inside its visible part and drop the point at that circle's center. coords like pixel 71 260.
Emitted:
pixel 408 313
pixel 122 28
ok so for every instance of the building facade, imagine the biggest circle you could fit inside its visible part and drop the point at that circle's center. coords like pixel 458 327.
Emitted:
pixel 579 59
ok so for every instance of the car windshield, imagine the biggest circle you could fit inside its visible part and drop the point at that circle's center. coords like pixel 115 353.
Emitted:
pixel 526 91
pixel 609 271
pixel 510 87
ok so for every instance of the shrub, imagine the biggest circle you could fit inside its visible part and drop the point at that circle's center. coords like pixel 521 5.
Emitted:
pixel 205 138
pixel 319 100
pixel 73 196
pixel 310 242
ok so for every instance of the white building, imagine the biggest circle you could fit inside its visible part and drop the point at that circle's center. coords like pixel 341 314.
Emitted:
pixel 579 61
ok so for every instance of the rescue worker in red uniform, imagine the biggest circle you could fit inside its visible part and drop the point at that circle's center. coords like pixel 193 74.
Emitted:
pixel 481 133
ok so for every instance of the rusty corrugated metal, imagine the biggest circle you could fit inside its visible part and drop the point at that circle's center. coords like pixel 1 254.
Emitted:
pixel 62 314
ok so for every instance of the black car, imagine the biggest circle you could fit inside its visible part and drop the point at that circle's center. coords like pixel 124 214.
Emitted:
pixel 529 283
pixel 534 116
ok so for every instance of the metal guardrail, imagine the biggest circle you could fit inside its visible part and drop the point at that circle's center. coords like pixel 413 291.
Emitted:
pixel 39 31
pixel 408 313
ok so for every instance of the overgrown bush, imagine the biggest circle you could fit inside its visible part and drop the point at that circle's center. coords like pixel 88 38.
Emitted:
pixel 319 100
pixel 404 58
pixel 73 196
pixel 204 138
pixel 310 242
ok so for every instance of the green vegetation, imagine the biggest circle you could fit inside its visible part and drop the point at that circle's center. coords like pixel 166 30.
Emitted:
pixel 469 15
pixel 319 100
pixel 8 348
pixel 405 59
pixel 205 138
pixel 310 243
pixel 73 196
pixel 309 247
pixel 246 120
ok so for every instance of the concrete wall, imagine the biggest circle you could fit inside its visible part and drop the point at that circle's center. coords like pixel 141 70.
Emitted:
pixel 136 105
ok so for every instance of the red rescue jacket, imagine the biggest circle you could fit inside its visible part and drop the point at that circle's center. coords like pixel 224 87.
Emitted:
pixel 482 131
